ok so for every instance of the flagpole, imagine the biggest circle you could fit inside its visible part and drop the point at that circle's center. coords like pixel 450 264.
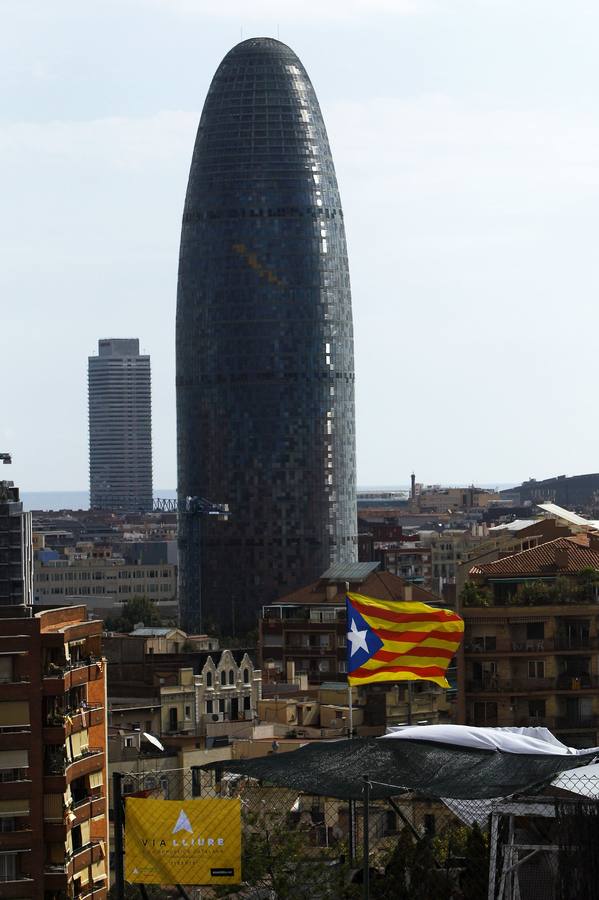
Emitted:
pixel 351 809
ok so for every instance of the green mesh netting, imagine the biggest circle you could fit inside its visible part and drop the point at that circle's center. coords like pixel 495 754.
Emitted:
pixel 337 769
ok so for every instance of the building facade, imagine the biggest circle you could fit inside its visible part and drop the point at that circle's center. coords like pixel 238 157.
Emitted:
pixel 531 641
pixel 16 549
pixel 265 369
pixel 54 825
pixel 226 690
pixel 120 427
pixel 308 628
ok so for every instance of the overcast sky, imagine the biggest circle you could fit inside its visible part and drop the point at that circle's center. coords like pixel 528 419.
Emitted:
pixel 466 140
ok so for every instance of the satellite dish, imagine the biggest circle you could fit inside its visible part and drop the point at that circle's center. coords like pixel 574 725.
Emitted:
pixel 153 740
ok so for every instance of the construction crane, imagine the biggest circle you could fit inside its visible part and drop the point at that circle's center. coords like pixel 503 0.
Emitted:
pixel 6 458
pixel 189 589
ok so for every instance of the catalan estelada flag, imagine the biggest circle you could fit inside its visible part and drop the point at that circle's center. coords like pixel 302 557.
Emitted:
pixel 392 641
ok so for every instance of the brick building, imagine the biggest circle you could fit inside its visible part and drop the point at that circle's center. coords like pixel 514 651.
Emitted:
pixel 531 640
pixel 54 828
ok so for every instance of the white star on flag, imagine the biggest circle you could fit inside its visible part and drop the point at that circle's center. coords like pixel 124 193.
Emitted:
pixel 357 639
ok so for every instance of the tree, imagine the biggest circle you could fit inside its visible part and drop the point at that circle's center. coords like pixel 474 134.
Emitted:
pixel 136 609
pixel 475 879
pixel 475 595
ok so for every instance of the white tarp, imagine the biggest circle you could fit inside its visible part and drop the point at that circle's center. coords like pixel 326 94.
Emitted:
pixel 509 740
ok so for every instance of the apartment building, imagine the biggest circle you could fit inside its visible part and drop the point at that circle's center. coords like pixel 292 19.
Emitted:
pixel 308 627
pixel 53 822
pixel 531 641
pixel 102 582
pixel 16 553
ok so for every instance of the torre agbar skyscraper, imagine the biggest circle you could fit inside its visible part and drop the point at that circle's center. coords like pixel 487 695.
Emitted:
pixel 265 362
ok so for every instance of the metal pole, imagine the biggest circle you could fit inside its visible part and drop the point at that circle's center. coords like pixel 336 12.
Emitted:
pixel 493 848
pixel 366 840
pixel 119 850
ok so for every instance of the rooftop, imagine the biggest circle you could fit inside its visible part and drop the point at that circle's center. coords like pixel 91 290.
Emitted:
pixel 562 556
pixel 381 585
pixel 353 572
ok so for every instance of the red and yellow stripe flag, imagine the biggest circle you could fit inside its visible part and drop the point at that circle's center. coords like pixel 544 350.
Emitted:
pixel 393 641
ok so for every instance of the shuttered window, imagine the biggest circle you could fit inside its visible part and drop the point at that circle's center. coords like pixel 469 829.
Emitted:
pixel 99 871
pixel 14 759
pixel 14 713
pixel 85 833
pixel 95 780
pixel 53 807
pixel 9 808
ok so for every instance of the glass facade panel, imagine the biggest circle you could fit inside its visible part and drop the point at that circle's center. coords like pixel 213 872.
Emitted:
pixel 265 366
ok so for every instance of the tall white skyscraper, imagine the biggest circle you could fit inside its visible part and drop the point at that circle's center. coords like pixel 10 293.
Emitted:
pixel 120 427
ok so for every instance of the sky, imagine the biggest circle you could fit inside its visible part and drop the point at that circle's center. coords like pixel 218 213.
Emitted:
pixel 465 135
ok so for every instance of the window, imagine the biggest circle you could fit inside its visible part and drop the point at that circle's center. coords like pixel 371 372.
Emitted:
pixel 208 679
pixel 221 706
pixel 6 668
pixel 246 676
pixel 188 712
pixel 129 742
pixel 8 866
pixel 536 709
pixel 247 702
pixel 341 640
pixel 536 668
pixel 342 666
pixel 208 706
pixel 223 677
pixel 535 631
pixel 231 676
pixel 485 712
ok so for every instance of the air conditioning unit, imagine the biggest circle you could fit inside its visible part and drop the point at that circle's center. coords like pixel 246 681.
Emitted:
pixel 218 717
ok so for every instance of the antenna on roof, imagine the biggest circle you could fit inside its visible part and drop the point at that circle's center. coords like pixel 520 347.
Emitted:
pixel 278 33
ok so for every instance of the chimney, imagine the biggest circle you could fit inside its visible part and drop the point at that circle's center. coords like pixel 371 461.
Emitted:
pixel 562 556
pixel 331 591
pixel 413 486
pixel 290 666
pixel 407 593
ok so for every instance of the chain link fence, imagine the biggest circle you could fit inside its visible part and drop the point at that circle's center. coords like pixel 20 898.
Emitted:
pixel 297 846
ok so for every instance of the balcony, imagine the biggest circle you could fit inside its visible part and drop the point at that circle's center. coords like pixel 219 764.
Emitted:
pixel 16 886
pixel 534 722
pixel 19 839
pixel 60 679
pixel 576 643
pixel 16 790
pixel 57 876
pixel 18 737
pixel 58 774
pixel 488 721
pixel 575 721
pixel 92 893
pixel 523 685
pixel 64 725
pixel 16 689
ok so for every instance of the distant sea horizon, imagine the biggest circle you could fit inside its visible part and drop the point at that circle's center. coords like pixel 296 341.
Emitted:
pixel 48 501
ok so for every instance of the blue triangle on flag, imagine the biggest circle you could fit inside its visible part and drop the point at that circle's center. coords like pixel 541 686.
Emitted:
pixel 359 636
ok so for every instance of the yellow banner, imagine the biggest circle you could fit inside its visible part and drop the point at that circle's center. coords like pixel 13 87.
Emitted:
pixel 182 841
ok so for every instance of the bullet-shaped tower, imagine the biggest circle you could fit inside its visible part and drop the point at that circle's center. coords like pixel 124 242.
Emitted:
pixel 265 362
